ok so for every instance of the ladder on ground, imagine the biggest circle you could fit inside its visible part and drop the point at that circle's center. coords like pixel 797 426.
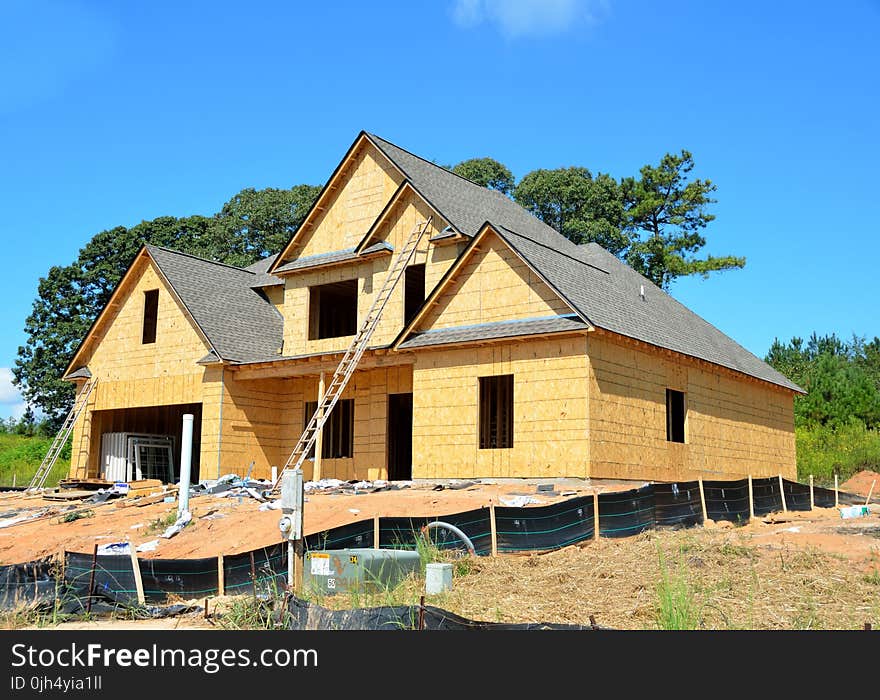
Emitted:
pixel 79 404
pixel 352 356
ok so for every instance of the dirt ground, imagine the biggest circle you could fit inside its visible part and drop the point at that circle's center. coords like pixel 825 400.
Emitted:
pixel 229 525
pixel 862 482
pixel 804 570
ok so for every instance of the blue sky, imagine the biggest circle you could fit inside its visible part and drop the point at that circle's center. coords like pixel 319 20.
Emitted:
pixel 111 113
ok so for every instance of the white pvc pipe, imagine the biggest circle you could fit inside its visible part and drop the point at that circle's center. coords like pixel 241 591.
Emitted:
pixel 185 464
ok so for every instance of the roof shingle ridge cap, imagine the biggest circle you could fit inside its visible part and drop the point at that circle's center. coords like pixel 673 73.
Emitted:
pixel 200 259
pixel 548 247
pixel 425 160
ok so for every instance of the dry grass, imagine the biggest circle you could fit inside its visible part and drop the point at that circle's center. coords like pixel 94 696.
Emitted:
pixel 733 584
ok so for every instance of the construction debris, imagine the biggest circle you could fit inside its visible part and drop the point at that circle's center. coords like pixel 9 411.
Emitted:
pixel 114 549
pixel 181 522
pixel 519 501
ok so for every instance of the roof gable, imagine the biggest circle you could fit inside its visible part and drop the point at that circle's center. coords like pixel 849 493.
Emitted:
pixel 488 284
pixel 238 322
pixel 356 192
pixel 142 268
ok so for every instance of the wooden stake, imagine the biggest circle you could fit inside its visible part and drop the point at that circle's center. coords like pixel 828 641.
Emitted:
pixel 375 532
pixel 494 529
pixel 92 578
pixel 221 577
pixel 703 501
pixel 422 613
pixel 319 435
pixel 136 570
pixel 812 500
pixel 298 569
pixel 62 563
pixel 595 515
pixel 751 500
pixel 782 495
pixel 870 492
pixel 836 493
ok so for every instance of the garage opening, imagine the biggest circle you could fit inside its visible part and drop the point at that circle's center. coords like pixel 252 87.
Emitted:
pixel 130 444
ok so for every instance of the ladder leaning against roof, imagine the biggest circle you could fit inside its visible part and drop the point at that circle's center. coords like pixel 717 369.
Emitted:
pixel 352 356
pixel 60 440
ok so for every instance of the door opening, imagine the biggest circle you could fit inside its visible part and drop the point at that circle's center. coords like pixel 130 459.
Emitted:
pixel 400 417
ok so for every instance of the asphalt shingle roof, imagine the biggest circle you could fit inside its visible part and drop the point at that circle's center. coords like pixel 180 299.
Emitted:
pixel 334 257
pixel 242 326
pixel 493 330
pixel 260 269
pixel 236 320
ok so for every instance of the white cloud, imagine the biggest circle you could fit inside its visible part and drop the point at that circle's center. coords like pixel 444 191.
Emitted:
pixel 8 393
pixel 516 18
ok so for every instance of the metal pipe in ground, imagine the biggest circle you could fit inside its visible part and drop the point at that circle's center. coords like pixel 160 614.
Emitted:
pixel 185 464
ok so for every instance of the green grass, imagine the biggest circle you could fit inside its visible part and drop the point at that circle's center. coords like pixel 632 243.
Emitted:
pixel 162 523
pixel 21 455
pixel 676 603
pixel 848 449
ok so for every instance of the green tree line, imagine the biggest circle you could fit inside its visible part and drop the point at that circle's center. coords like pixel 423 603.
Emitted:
pixel 838 419
pixel 653 221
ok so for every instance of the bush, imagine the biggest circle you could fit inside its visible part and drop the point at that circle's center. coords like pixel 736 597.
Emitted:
pixel 847 448
pixel 22 455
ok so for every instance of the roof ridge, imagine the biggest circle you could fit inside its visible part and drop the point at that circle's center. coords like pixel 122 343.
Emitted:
pixel 425 160
pixel 548 247
pixel 200 259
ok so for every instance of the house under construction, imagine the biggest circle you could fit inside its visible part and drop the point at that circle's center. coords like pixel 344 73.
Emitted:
pixel 504 350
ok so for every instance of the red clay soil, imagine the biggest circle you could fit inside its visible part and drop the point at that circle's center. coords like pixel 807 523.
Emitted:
pixel 861 484
pixel 227 526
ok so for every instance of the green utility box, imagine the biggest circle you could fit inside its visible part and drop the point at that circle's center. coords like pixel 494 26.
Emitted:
pixel 343 570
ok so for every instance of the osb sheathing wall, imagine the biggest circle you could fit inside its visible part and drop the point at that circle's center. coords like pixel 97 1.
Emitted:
pixel 370 275
pixel 256 419
pixel 735 426
pixel 493 284
pixel 132 373
pixel 551 426
pixel 263 419
pixel 363 189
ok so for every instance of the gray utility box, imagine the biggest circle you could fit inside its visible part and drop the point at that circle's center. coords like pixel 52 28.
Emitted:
pixel 344 570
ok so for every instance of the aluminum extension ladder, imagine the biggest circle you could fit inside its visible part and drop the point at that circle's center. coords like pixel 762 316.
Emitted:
pixel 352 356
pixel 60 440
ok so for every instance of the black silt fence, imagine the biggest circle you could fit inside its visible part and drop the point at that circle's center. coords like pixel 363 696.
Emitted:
pixel 303 615
pixel 727 500
pixel 797 496
pixel 29 583
pixel 677 504
pixel 186 578
pixel 263 571
pixel 114 578
pixel 350 536
pixel 547 527
pixel 403 533
pixel 626 513
pixel 766 495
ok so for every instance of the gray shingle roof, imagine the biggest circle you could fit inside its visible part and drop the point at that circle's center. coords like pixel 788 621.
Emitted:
pixel 334 257
pixel 235 319
pixel 262 278
pixel 79 373
pixel 606 292
pixel 496 329
pixel 600 287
